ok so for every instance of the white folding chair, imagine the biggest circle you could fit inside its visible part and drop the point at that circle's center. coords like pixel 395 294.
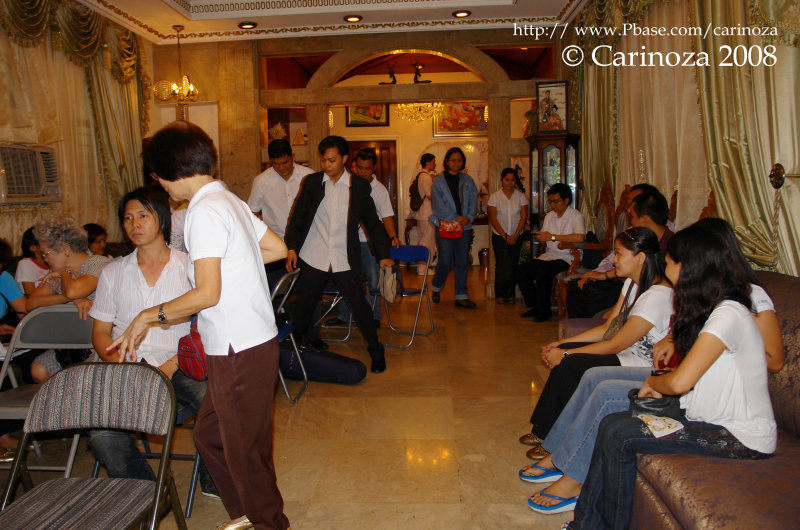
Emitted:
pixel 337 298
pixel 281 292
pixel 410 254
pixel 52 327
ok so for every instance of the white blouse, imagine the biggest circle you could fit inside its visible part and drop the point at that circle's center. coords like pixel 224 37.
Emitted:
pixel 508 209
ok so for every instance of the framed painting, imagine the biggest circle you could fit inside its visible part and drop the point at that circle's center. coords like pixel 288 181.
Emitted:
pixel 552 106
pixel 461 118
pixel 368 115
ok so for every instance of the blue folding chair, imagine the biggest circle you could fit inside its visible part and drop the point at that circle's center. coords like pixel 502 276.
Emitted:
pixel 410 254
pixel 281 292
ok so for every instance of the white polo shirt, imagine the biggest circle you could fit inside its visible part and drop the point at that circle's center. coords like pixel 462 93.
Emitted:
pixel 570 222
pixel 273 196
pixel 508 209
pixel 383 204
pixel 220 225
pixel 122 293
pixel 325 246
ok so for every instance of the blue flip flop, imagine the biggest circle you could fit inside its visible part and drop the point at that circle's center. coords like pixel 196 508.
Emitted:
pixel 549 475
pixel 564 505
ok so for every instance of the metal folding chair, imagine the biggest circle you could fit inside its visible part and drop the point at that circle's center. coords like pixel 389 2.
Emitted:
pixel 410 254
pixel 128 396
pixel 337 297
pixel 52 327
pixel 281 292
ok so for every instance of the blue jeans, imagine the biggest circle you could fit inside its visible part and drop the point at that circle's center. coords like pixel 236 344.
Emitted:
pixel 606 499
pixel 117 452
pixel 372 270
pixel 452 254
pixel 602 391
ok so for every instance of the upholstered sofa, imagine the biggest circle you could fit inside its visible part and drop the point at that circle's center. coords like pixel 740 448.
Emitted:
pixel 682 491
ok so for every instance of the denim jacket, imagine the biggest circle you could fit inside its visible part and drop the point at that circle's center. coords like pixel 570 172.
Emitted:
pixel 444 207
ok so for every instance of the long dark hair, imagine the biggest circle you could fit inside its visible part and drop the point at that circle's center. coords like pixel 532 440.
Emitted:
pixel 642 239
pixel 713 269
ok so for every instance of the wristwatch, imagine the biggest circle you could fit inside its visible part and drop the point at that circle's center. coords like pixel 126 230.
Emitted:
pixel 162 318
pixel 552 238
pixel 565 354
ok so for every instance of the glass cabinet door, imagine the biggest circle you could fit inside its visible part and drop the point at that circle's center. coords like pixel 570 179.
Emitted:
pixel 571 182
pixel 534 184
pixel 551 169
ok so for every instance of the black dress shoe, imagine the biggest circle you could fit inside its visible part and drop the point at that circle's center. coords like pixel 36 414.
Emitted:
pixel 378 366
pixel 377 323
pixel 318 344
pixel 436 297
pixel 335 321
pixel 466 304
pixel 528 314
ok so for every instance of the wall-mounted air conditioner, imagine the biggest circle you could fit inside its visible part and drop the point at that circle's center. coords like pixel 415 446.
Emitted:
pixel 28 175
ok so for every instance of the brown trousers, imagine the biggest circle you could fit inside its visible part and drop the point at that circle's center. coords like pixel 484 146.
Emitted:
pixel 233 433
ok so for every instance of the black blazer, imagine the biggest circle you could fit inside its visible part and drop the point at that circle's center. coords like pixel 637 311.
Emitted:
pixel 361 210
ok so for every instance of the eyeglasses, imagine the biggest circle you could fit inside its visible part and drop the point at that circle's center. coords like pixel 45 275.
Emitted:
pixel 45 254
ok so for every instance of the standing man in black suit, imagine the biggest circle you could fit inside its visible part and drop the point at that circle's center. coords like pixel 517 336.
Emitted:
pixel 322 238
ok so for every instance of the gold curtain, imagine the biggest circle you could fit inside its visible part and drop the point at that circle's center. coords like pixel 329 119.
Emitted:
pixel 751 120
pixel 27 21
pixel 83 30
pixel 660 131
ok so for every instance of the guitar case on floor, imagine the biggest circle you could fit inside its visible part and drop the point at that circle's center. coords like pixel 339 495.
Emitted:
pixel 322 366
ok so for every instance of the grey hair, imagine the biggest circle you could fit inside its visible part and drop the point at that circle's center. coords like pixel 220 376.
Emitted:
pixel 57 232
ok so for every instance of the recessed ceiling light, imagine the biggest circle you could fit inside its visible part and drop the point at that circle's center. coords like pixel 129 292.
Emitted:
pixel 247 24
pixel 462 13
pixel 353 18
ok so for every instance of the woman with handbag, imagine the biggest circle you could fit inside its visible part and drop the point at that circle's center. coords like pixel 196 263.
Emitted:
pixel 605 390
pixel 455 205
pixel 639 319
pixel 508 213
pixel 722 380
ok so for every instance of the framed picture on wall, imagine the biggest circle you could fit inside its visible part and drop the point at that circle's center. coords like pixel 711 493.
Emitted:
pixel 552 106
pixel 461 118
pixel 368 115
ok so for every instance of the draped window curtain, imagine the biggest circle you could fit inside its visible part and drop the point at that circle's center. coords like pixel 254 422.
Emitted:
pixel 96 117
pixel 699 129
pixel 751 119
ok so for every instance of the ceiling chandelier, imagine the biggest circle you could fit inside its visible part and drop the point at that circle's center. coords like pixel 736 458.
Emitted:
pixel 418 111
pixel 182 91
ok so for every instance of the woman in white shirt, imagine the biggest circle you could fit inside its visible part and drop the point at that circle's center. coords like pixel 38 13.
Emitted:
pixel 228 246
pixel 641 316
pixel 32 268
pixel 508 213
pixel 721 381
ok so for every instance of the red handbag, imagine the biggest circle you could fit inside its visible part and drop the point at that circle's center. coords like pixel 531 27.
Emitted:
pixel 450 229
pixel 191 355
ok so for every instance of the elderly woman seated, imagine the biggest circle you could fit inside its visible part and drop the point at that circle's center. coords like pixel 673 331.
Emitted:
pixel 72 278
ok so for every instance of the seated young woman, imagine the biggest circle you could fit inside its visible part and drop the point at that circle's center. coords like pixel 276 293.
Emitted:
pixel 32 267
pixel 644 309
pixel 72 278
pixel 604 390
pixel 721 381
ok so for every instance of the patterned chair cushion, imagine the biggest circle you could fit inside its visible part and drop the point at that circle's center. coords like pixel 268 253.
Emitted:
pixel 67 503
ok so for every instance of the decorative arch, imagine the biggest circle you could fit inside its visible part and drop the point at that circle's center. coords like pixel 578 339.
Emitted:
pixel 468 56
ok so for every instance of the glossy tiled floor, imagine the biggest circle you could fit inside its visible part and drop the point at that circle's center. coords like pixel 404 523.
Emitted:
pixel 430 443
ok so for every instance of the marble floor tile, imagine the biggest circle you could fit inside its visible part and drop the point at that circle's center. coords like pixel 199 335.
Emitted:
pixel 410 418
pixel 368 516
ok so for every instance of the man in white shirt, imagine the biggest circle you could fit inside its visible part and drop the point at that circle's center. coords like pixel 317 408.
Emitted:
pixel 535 279
pixel 322 238
pixel 153 273
pixel 273 194
pixel 366 161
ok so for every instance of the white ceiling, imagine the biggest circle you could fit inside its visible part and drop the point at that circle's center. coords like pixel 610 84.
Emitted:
pixel 210 20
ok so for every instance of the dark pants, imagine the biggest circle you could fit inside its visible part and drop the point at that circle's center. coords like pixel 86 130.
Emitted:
pixel 505 275
pixel 535 280
pixel 117 451
pixel 606 499
pixel 233 433
pixel 594 297
pixel 561 384
pixel 309 291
